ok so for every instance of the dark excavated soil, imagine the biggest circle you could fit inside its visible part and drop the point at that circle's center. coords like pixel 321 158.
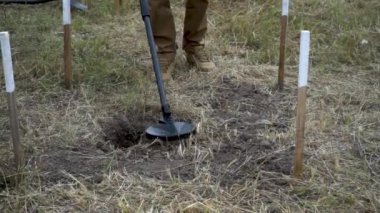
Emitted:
pixel 239 112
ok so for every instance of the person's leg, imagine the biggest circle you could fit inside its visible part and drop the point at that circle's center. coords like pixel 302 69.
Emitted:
pixel 195 23
pixel 194 32
pixel 164 34
pixel 163 25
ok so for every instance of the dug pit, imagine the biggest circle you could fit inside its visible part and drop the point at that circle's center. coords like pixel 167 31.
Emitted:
pixel 125 131
pixel 239 113
pixel 234 153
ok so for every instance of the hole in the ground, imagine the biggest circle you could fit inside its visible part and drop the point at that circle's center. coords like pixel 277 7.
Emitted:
pixel 125 131
pixel 4 183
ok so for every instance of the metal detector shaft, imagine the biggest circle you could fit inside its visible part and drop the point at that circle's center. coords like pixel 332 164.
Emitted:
pixel 156 65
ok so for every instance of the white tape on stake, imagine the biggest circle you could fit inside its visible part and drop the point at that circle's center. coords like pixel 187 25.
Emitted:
pixel 285 7
pixel 66 12
pixel 7 62
pixel 304 59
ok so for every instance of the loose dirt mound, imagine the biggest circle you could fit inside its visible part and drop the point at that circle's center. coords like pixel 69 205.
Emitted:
pixel 242 112
pixel 238 113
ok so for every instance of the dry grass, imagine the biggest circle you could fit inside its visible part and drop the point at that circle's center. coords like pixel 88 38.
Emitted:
pixel 342 139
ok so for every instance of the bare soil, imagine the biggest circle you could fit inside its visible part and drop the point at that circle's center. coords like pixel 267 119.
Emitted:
pixel 239 112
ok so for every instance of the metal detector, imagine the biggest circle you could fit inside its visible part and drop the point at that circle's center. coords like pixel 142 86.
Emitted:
pixel 167 128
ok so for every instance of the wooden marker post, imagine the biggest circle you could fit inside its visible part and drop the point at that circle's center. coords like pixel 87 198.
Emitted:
pixel 88 3
pixel 284 24
pixel 67 43
pixel 301 104
pixel 10 88
pixel 117 5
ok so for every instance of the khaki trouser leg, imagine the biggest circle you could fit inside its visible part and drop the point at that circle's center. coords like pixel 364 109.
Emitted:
pixel 163 25
pixel 195 23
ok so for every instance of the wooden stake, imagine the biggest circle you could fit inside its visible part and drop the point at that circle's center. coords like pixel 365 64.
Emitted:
pixel 67 57
pixel 301 105
pixel 117 4
pixel 88 3
pixel 300 129
pixel 284 24
pixel 10 88
pixel 17 149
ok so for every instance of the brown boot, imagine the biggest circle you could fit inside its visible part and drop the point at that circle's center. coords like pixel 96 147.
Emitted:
pixel 167 64
pixel 197 56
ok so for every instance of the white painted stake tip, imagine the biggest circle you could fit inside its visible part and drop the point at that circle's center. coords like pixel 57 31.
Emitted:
pixel 305 33
pixel 285 7
pixel 7 62
pixel 304 58
pixel 66 12
pixel 4 34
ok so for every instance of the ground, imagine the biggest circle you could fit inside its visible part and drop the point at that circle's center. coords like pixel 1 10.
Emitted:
pixel 86 150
